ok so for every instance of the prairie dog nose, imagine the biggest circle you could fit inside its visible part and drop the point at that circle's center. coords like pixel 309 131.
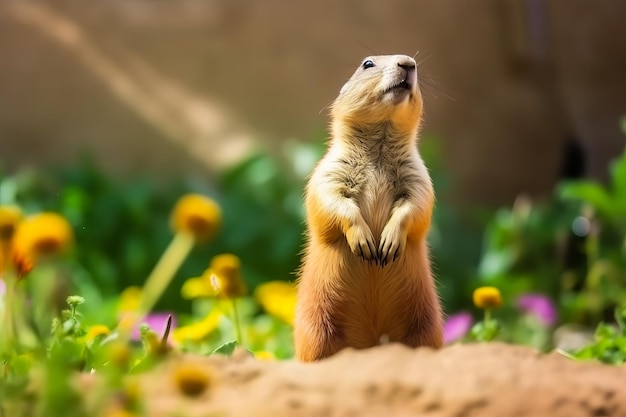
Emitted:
pixel 408 70
pixel 407 63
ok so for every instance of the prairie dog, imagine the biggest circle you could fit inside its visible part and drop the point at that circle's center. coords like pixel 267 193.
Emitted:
pixel 365 276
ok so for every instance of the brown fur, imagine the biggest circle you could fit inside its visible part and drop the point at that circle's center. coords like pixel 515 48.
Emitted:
pixel 365 275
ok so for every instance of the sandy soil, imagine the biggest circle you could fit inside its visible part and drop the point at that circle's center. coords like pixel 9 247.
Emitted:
pixel 461 381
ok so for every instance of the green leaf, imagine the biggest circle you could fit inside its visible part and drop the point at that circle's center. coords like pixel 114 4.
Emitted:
pixel 496 262
pixel 585 353
pixel 22 364
pixel 227 348
pixel 620 342
pixel 612 355
pixel 146 364
pixel 588 192
pixel 485 331
pixel 605 332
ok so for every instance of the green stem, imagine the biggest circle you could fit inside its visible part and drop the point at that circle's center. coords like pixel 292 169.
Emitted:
pixel 17 334
pixel 9 311
pixel 237 321
pixel 164 271
pixel 487 316
pixel 41 285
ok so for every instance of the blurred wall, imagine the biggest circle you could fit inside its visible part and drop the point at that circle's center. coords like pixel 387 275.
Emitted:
pixel 168 87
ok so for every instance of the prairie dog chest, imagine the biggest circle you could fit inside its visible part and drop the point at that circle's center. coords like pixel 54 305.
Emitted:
pixel 378 193
pixel 385 171
pixel 376 179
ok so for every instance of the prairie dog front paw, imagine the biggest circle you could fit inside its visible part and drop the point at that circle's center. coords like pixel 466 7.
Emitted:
pixel 361 241
pixel 392 243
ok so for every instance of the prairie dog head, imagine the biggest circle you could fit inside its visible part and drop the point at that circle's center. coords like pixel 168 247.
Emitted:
pixel 382 89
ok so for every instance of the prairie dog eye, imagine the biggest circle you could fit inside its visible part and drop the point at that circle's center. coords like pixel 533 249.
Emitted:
pixel 368 64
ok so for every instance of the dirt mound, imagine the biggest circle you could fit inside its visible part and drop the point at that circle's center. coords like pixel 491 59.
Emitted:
pixel 393 380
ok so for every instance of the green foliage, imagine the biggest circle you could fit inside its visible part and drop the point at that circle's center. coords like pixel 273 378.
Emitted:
pixel 571 248
pixel 485 331
pixel 610 341
pixel 260 332
pixel 123 226
pixel 604 209
pixel 264 216
pixel 226 348
pixel 65 353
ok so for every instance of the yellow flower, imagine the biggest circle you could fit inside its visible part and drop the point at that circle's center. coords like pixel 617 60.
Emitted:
pixel 10 216
pixel 225 275
pixel 41 235
pixel 198 331
pixel 264 355
pixel 222 278
pixel 487 297
pixel 191 379
pixel 278 298
pixel 95 331
pixel 198 287
pixel 197 215
pixel 22 264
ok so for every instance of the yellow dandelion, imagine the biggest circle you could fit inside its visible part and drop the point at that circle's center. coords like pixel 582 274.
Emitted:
pixel 95 331
pixel 278 299
pixel 191 379
pixel 198 287
pixel 41 235
pixel 225 271
pixel 196 332
pixel 487 297
pixel 10 216
pixel 225 275
pixel 196 215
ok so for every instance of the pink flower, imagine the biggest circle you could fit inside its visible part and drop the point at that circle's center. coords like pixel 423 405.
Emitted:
pixel 457 326
pixel 539 306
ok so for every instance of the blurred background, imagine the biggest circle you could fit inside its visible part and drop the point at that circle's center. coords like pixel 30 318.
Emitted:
pixel 110 110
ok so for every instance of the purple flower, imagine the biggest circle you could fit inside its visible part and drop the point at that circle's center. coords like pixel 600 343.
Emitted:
pixel 3 287
pixel 157 323
pixel 539 306
pixel 457 326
